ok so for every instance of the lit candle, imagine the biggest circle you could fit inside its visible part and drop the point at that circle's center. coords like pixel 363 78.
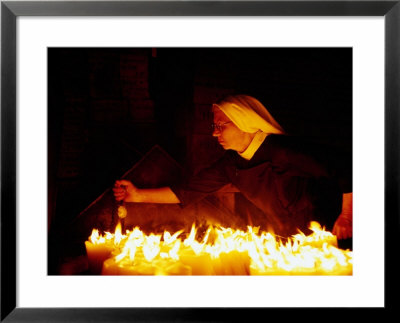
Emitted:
pixel 168 267
pixel 201 263
pixel 110 267
pixel 126 267
pixel 178 268
pixel 235 263
pixel 97 253
pixel 143 268
pixel 217 265
pixel 99 248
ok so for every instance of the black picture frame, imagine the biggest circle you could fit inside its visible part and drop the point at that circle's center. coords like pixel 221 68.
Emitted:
pixel 11 10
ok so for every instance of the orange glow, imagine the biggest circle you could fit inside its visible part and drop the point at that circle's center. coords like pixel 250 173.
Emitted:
pixel 225 251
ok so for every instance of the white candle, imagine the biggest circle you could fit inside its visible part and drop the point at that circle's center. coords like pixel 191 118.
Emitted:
pixel 201 263
pixel 97 253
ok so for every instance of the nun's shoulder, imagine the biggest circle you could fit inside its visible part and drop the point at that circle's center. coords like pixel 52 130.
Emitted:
pixel 290 143
pixel 278 141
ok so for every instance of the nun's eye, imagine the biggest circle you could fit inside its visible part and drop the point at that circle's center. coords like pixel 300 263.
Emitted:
pixel 219 126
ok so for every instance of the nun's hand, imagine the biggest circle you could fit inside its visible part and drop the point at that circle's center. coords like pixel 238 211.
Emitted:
pixel 343 227
pixel 125 191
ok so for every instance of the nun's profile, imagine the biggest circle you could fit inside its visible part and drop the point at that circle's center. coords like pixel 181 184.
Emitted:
pixel 273 170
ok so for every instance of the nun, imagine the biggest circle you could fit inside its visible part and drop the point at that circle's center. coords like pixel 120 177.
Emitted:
pixel 285 177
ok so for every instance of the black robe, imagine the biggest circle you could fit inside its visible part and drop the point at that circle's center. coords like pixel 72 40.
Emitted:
pixel 291 181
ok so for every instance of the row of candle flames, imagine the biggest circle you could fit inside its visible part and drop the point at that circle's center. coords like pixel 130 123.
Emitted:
pixel 221 251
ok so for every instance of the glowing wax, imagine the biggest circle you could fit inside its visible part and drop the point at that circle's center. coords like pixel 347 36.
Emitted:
pixel 97 254
pixel 235 263
pixel 201 264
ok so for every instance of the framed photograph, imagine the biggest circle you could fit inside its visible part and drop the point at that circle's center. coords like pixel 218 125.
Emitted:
pixel 153 93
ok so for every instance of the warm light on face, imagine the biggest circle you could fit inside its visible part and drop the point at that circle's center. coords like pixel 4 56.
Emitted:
pixel 229 136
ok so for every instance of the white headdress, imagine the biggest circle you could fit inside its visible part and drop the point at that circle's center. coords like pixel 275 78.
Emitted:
pixel 249 114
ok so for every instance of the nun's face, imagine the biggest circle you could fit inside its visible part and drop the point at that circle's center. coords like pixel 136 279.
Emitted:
pixel 228 134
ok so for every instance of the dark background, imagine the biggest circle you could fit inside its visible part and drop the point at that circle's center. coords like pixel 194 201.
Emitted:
pixel 107 107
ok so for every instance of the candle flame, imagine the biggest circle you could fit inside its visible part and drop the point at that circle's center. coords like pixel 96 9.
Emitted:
pixel 224 251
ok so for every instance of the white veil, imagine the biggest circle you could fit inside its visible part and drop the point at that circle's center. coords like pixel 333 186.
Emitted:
pixel 249 114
